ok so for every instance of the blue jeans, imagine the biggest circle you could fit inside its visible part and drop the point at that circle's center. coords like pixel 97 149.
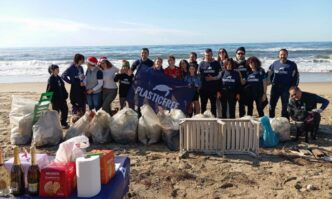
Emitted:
pixel 276 92
pixel 94 101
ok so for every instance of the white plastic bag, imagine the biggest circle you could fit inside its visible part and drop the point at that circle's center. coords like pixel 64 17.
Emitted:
pixel 206 114
pixel 124 126
pixel 71 149
pixel 80 127
pixel 169 122
pixel 281 126
pixel 177 115
pixel 20 117
pixel 99 128
pixel 149 128
pixel 47 130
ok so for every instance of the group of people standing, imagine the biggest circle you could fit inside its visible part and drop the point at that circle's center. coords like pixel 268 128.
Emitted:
pixel 232 80
pixel 97 87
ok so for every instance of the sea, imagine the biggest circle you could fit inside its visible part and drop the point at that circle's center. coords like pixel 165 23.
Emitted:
pixel 314 59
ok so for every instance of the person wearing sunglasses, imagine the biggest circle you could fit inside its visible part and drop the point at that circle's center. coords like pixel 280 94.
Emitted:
pixel 282 74
pixel 242 68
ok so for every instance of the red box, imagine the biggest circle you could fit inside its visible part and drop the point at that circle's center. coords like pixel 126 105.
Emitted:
pixel 107 165
pixel 58 180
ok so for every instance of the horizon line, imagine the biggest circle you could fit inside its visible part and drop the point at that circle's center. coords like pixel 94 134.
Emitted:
pixel 144 45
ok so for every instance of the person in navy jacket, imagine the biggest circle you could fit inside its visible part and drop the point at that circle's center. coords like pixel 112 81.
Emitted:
pixel 209 70
pixel 283 74
pixel 256 86
pixel 229 89
pixel 144 60
pixel 74 75
pixel 137 65
pixel 242 68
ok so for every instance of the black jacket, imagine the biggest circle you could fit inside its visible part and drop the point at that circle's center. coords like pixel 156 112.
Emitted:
pixel 125 82
pixel 56 85
pixel 298 109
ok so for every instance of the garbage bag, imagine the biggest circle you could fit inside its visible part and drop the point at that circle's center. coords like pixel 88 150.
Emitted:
pixel 81 126
pixel 47 130
pixel 124 126
pixel 169 122
pixel 149 128
pixel 20 118
pixel 177 115
pixel 71 149
pixel 281 126
pixel 206 114
pixel 270 138
pixel 99 129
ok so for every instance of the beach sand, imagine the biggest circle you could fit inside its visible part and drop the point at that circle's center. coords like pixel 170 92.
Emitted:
pixel 157 172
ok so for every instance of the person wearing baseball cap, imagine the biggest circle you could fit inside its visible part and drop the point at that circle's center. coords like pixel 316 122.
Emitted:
pixel 93 83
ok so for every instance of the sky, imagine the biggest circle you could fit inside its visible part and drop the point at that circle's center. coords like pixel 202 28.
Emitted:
pixel 47 23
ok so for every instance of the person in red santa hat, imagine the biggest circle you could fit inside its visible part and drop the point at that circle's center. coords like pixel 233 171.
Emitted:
pixel 93 83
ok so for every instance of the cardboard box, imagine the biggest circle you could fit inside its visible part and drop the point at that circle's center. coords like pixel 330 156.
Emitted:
pixel 107 165
pixel 58 180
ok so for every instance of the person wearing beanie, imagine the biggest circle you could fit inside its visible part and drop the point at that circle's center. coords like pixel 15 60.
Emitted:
pixel 56 85
pixel 74 76
pixel 125 79
pixel 110 89
pixel 242 68
pixel 93 83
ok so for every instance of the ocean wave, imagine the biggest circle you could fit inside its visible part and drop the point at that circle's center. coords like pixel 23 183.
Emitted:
pixel 276 49
pixel 39 67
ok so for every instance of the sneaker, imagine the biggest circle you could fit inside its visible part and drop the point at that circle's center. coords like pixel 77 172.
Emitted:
pixel 65 126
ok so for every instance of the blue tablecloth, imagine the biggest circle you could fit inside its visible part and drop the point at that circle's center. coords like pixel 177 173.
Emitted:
pixel 116 188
